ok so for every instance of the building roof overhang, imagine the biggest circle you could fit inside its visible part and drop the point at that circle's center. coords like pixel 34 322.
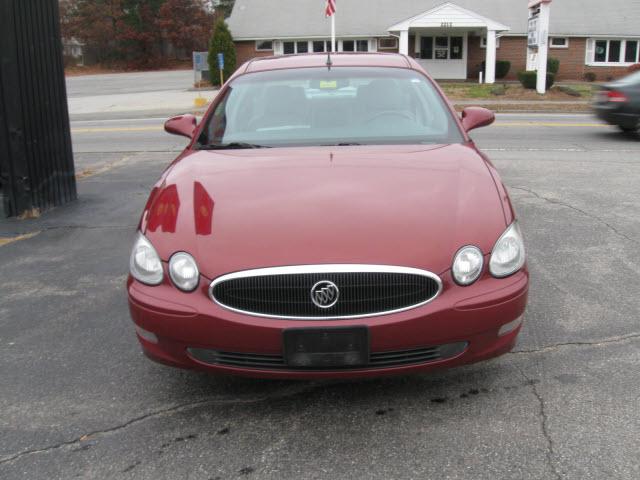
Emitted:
pixel 449 15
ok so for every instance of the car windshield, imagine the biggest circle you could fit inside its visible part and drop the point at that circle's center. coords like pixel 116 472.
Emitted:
pixel 338 106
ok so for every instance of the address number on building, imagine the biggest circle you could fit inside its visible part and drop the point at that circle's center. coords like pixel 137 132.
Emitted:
pixel 446 25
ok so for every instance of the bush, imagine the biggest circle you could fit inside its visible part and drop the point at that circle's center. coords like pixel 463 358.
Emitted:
pixel 553 65
pixel 499 90
pixel 502 68
pixel 569 91
pixel 221 42
pixel 529 78
pixel 590 77
pixel 633 68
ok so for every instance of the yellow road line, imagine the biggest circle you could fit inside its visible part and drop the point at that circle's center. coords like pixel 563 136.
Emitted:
pixel 7 240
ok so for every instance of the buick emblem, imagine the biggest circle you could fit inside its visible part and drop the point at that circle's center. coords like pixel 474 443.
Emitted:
pixel 325 294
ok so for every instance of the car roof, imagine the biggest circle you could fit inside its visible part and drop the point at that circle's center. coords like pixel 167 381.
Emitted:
pixel 389 60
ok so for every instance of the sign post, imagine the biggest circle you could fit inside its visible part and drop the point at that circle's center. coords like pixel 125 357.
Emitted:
pixel 200 64
pixel 538 41
pixel 221 67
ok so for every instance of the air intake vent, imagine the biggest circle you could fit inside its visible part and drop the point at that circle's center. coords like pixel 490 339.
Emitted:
pixel 377 360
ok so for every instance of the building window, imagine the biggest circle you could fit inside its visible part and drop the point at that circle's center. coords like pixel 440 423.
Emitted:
pixel 264 45
pixel 631 51
pixel 355 45
pixel 441 48
pixel 483 42
pixel 390 43
pixel 321 46
pixel 456 48
pixel 613 52
pixel 291 48
pixel 559 42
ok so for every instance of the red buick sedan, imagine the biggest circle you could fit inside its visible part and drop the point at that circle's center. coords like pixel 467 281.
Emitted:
pixel 328 220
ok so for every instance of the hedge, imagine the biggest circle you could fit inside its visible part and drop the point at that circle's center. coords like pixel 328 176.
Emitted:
pixel 529 79
pixel 502 68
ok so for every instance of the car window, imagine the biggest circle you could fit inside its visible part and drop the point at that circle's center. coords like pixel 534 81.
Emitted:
pixel 321 106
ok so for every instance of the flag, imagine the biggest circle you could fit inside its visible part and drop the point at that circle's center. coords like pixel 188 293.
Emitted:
pixel 330 9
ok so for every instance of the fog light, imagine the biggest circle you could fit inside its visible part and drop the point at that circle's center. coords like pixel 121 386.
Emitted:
pixel 148 336
pixel 510 327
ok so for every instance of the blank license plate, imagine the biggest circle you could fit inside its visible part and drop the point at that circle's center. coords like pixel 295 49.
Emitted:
pixel 326 347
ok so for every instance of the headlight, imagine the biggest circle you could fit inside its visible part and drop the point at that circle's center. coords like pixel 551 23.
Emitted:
pixel 184 271
pixel 467 265
pixel 145 264
pixel 508 254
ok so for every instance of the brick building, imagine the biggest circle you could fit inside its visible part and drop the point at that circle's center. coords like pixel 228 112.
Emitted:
pixel 449 39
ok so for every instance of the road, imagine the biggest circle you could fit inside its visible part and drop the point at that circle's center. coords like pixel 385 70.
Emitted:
pixel 79 400
pixel 128 83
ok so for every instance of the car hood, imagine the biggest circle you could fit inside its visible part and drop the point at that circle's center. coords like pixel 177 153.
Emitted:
pixel 404 205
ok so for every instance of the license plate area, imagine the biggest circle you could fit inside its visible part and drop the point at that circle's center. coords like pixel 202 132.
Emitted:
pixel 337 347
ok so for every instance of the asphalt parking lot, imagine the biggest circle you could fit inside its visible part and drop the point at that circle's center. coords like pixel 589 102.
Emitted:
pixel 78 399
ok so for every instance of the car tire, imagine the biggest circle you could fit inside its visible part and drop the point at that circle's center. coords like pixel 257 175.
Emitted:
pixel 628 129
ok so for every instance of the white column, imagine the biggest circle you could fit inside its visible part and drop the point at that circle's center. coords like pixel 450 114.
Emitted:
pixel 490 60
pixel 404 42
pixel 543 39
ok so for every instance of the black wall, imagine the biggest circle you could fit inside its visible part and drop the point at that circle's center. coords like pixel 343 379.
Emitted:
pixel 36 160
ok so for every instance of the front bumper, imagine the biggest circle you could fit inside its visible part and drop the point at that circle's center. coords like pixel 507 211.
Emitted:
pixel 615 115
pixel 179 322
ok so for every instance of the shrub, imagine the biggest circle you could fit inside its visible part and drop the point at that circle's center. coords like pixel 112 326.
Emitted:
pixel 221 42
pixel 553 65
pixel 569 90
pixel 502 68
pixel 633 68
pixel 590 77
pixel 499 90
pixel 529 78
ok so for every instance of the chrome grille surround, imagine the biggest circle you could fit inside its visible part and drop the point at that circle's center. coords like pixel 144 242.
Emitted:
pixel 326 269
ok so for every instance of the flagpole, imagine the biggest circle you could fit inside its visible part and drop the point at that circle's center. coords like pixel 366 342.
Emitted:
pixel 333 33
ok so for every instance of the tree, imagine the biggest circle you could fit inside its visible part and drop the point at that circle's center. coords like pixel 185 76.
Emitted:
pixel 221 42
pixel 224 6
pixel 186 23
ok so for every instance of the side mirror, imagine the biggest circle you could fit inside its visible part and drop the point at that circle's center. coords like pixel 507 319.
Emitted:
pixel 476 117
pixel 183 125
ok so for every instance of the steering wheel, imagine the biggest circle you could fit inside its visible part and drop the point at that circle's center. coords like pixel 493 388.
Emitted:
pixel 390 113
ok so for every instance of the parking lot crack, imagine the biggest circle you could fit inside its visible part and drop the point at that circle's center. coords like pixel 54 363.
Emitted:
pixel 555 201
pixel 544 424
pixel 96 434
pixel 595 343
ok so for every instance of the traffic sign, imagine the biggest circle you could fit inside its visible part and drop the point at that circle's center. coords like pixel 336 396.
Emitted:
pixel 200 61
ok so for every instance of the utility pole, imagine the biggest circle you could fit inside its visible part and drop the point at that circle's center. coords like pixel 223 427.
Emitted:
pixel 36 159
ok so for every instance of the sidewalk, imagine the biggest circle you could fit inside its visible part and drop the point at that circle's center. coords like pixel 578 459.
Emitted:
pixel 164 103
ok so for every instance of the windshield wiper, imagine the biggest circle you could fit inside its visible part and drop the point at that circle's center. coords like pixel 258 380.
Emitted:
pixel 231 146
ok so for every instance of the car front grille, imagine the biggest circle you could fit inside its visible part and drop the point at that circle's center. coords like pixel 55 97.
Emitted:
pixel 363 291
pixel 376 360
